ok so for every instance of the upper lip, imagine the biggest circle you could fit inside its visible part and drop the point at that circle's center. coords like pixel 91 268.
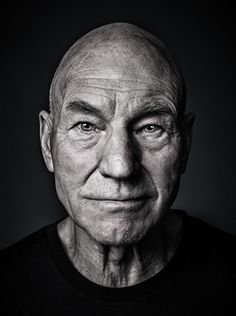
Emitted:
pixel 120 199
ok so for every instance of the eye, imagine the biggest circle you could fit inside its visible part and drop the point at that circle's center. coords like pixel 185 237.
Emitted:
pixel 150 131
pixel 86 127
pixel 152 128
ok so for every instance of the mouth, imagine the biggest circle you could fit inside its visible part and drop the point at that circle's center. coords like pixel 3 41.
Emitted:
pixel 119 199
pixel 119 204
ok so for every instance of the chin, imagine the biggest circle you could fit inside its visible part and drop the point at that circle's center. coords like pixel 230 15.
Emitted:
pixel 120 234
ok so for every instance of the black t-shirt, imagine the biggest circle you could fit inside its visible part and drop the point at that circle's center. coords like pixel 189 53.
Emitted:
pixel 37 278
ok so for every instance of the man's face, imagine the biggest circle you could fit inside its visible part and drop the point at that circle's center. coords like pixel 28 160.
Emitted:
pixel 116 151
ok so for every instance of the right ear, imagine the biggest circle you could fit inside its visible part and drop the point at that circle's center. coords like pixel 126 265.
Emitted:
pixel 45 123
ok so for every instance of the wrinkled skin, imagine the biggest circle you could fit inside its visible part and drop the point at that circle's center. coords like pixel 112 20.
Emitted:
pixel 117 149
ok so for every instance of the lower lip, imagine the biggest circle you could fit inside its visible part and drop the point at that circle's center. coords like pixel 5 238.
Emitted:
pixel 115 205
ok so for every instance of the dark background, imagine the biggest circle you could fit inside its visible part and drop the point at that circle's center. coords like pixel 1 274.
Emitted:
pixel 34 38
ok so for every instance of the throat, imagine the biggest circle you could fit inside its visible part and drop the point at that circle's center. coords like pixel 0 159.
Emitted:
pixel 122 267
pixel 129 271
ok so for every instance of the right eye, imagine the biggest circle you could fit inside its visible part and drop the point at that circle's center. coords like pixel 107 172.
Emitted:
pixel 86 127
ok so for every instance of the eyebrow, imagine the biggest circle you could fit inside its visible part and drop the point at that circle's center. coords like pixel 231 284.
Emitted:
pixel 147 110
pixel 83 107
pixel 154 109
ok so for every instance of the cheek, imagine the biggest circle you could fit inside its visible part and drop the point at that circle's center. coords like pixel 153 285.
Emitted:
pixel 71 167
pixel 164 168
pixel 71 160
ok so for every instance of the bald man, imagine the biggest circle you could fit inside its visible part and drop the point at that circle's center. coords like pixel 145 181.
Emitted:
pixel 117 140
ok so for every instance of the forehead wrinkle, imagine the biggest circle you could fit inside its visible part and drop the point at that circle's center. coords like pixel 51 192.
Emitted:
pixel 86 98
pixel 156 97
pixel 155 102
pixel 75 65
pixel 139 106
pixel 115 89
pixel 114 81
pixel 155 84
pixel 103 110
pixel 81 93
pixel 88 74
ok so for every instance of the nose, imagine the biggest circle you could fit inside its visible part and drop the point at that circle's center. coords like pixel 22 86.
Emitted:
pixel 118 157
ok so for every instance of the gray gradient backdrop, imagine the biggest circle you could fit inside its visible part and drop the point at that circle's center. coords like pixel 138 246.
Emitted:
pixel 34 38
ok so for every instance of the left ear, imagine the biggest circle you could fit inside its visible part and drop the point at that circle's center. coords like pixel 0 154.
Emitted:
pixel 186 134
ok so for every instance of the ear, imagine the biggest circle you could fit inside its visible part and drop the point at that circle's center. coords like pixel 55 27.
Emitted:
pixel 45 123
pixel 187 128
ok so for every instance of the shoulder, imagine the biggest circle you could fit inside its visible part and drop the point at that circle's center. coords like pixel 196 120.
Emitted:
pixel 25 256
pixel 37 239
pixel 200 231
pixel 207 258
pixel 24 270
pixel 208 251
pixel 208 248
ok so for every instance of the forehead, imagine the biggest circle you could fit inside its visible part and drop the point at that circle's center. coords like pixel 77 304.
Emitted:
pixel 119 71
pixel 118 96
pixel 130 59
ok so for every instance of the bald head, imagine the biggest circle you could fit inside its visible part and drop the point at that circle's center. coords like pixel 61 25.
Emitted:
pixel 120 51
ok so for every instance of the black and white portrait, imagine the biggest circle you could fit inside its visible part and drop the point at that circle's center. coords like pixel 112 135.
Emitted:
pixel 118 160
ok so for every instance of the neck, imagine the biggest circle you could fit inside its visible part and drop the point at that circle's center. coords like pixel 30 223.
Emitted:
pixel 121 266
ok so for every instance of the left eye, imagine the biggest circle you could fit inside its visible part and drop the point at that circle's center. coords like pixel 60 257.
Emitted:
pixel 152 128
pixel 86 126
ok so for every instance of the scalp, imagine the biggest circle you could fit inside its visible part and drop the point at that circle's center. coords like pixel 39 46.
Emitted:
pixel 124 47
